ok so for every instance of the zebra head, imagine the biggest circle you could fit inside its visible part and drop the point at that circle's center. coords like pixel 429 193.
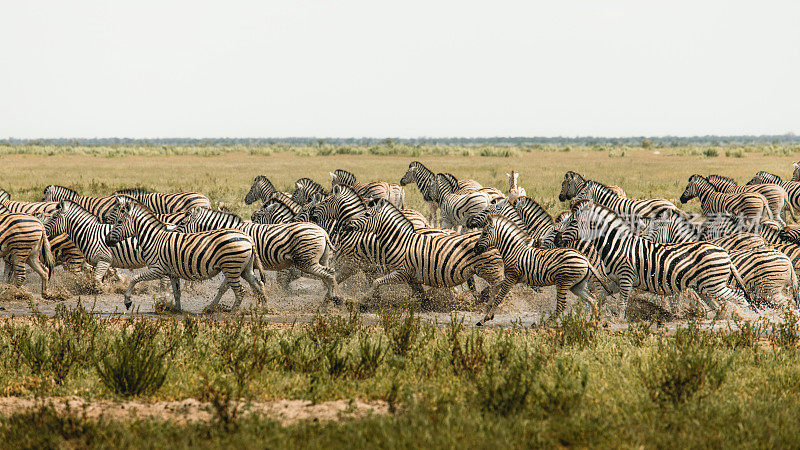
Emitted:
pixel 487 238
pixel 263 215
pixel 367 221
pixel 262 189
pixel 56 224
pixel 587 222
pixel 796 171
pixel 4 196
pixel 572 184
pixel 189 223
pixel 123 227
pixel 342 177
pixel 762 177
pixel 305 189
pixel 55 193
pixel 416 170
pixel 697 185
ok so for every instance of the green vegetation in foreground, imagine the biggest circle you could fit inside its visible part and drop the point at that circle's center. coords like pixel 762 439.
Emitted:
pixel 570 384
pixel 225 173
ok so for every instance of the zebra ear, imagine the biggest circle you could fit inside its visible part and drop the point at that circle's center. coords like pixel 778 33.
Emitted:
pixel 795 165
pixel 508 175
pixel 298 185
pixel 333 176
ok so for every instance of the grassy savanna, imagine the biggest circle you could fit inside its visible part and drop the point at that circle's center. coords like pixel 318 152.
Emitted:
pixel 225 173
pixel 575 384
pixel 572 385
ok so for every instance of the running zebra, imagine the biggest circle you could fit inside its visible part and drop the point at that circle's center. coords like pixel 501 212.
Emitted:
pixel 567 269
pixel 456 209
pixel 167 203
pixel 767 273
pixel 303 245
pixel 792 188
pixel 276 210
pixel 305 189
pixel 394 193
pixel 435 260
pixel 191 256
pixel 97 206
pixel 515 191
pixel 420 175
pixel 632 209
pixel 23 241
pixel 574 183
pixel 538 222
pixel 89 235
pixel 681 229
pixel 29 208
pixel 776 195
pixel 664 269
pixel 750 206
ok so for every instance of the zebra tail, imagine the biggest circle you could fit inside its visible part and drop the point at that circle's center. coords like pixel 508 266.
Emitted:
pixel 769 211
pixel 738 278
pixel 47 255
pixel 599 279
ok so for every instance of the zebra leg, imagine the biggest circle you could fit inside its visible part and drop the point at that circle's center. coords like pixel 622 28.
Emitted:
pixel 505 286
pixel 584 294
pixel 472 288
pixel 325 274
pixel 394 277
pixel 33 261
pixel 100 270
pixel 346 272
pixel 213 306
pixel 255 285
pixel 148 275
pixel 238 291
pixel 176 293
pixel 561 300
pixel 9 271
pixel 19 270
pixel 283 277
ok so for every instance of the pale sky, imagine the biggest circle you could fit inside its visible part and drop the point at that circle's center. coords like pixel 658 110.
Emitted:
pixel 374 68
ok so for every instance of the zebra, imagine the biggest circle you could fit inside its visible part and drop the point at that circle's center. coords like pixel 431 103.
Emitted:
pixel 394 193
pixel 574 183
pixel 167 203
pixel 776 195
pixel 191 256
pixel 515 191
pixel 420 175
pixel 664 269
pixel 790 233
pixel 796 171
pixel 97 206
pixel 681 229
pixel 29 208
pixel 766 272
pixel 457 208
pixel 568 269
pixel 261 189
pixel 89 235
pixel 303 245
pixel 23 240
pixel 749 205
pixel 792 187
pixel 503 208
pixel 305 189
pixel 634 209
pixel 538 222
pixel 436 260
pixel 279 208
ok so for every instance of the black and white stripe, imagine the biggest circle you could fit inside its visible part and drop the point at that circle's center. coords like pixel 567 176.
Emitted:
pixel 167 203
pixel 425 179
pixel 567 269
pixel 573 183
pixel 750 206
pixel 633 209
pixel 776 195
pixel 792 187
pixel 191 256
pixel 29 208
pixel 23 240
pixel 97 206
pixel 394 193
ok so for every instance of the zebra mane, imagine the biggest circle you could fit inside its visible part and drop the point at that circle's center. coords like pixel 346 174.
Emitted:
pixel 767 176
pixel 573 174
pixel 395 215
pixel 313 186
pixel 702 181
pixel 446 183
pixel 79 210
pixel 263 179
pixel 282 199
pixel 526 205
pixel 145 210
pixel 346 192
pixel 724 179
pixel 68 190
pixel 496 218
pixel 599 186
pixel 418 166
pixel 4 195
pixel 132 192
pixel 343 177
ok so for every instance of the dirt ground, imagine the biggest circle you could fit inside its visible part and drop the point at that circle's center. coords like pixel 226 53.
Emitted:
pixel 523 306
pixel 192 410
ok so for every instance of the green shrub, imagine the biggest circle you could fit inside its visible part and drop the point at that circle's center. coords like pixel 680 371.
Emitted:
pixel 710 152
pixel 403 331
pixel 785 333
pixel 369 358
pixel 575 330
pixel 683 367
pixel 135 362
pixel 560 387
pixel 502 391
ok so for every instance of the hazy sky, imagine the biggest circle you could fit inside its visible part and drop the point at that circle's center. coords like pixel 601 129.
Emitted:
pixel 377 68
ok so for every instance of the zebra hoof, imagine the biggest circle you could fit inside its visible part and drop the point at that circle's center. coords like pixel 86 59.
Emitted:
pixel 128 304
pixel 479 324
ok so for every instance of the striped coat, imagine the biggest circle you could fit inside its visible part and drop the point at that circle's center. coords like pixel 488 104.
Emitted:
pixel 29 208
pixel 89 235
pixel 98 206
pixel 776 195
pixel 664 269
pixel 456 209
pixel 632 209
pixel 23 241
pixel 191 256
pixel 425 179
pixel 750 206
pixel 375 190
pixel 792 188
pixel 573 183
pixel 167 203
pixel 567 269
pixel 303 245
pixel 424 259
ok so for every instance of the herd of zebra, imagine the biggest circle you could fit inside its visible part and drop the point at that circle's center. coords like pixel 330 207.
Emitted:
pixel 739 255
